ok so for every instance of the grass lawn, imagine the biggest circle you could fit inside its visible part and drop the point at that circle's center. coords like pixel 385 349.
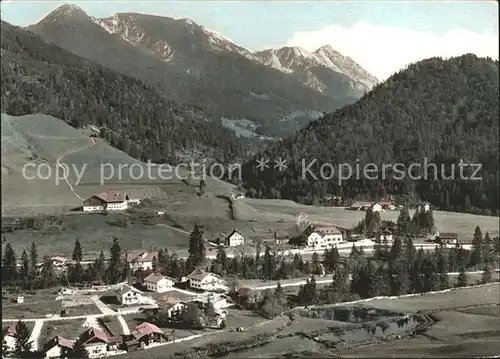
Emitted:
pixel 112 324
pixel 69 329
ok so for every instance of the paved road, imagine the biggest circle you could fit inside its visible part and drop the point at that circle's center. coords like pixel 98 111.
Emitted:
pixel 35 334
pixel 253 284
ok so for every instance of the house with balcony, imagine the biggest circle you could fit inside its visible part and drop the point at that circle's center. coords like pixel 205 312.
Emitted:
pixel 199 279
pixel 158 283
pixel 321 237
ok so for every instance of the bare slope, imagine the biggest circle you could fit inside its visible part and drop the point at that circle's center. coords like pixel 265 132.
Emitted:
pixel 42 140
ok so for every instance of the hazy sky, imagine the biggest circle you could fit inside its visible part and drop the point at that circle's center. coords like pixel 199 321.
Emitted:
pixel 382 36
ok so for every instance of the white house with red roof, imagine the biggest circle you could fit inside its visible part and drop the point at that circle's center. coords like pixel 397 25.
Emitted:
pixel 158 283
pixel 109 201
pixel 58 347
pixel 324 237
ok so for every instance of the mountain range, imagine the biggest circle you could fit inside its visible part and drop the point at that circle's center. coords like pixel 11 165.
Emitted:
pixel 188 63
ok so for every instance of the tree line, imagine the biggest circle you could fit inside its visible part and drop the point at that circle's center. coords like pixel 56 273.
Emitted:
pixel 266 263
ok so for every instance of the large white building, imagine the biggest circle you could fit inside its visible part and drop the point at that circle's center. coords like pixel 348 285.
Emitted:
pixel 200 279
pixel 109 201
pixel 158 283
pixel 234 239
pixel 324 237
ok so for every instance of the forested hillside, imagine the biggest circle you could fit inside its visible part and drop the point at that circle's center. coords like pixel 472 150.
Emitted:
pixel 445 110
pixel 41 77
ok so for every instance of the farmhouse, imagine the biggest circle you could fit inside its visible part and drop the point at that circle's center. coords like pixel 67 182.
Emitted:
pixel 147 333
pixel 95 341
pixel 234 239
pixel 385 235
pixel 219 301
pixel 9 339
pixel 158 283
pixel 447 238
pixel 324 236
pixel 109 201
pixel 127 295
pixel 280 238
pixel 57 347
pixel 360 206
pixel 199 279
pixel 141 260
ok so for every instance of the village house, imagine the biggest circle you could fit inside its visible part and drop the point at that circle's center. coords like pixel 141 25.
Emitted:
pixel 280 238
pixel 385 235
pixel 108 201
pixel 360 206
pixel 57 347
pixel 219 301
pixel 141 260
pixel 128 295
pixel 174 309
pixel 447 238
pixel 199 279
pixel 9 339
pixel 387 205
pixel 247 296
pixel 324 236
pixel 96 342
pixel 146 334
pixel 234 239
pixel 158 283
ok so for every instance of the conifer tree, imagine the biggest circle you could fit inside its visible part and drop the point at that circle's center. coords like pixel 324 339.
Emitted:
pixel 477 247
pixel 197 251
pixel 115 267
pixel 9 264
pixel 462 279
pixel 22 336
pixel 79 351
pixel 403 226
pixel 77 251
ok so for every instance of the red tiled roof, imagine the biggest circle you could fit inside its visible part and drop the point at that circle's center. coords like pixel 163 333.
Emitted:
pixel 145 329
pixel 92 333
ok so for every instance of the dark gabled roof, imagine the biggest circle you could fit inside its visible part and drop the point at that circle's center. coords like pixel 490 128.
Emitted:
pixel 92 333
pixel 57 340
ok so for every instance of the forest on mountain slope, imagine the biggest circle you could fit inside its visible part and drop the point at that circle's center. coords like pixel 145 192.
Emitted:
pixel 39 77
pixel 442 110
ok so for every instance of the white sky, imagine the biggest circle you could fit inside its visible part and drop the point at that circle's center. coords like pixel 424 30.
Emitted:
pixel 382 50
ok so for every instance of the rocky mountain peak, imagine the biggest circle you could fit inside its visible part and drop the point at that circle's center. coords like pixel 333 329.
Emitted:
pixel 65 12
